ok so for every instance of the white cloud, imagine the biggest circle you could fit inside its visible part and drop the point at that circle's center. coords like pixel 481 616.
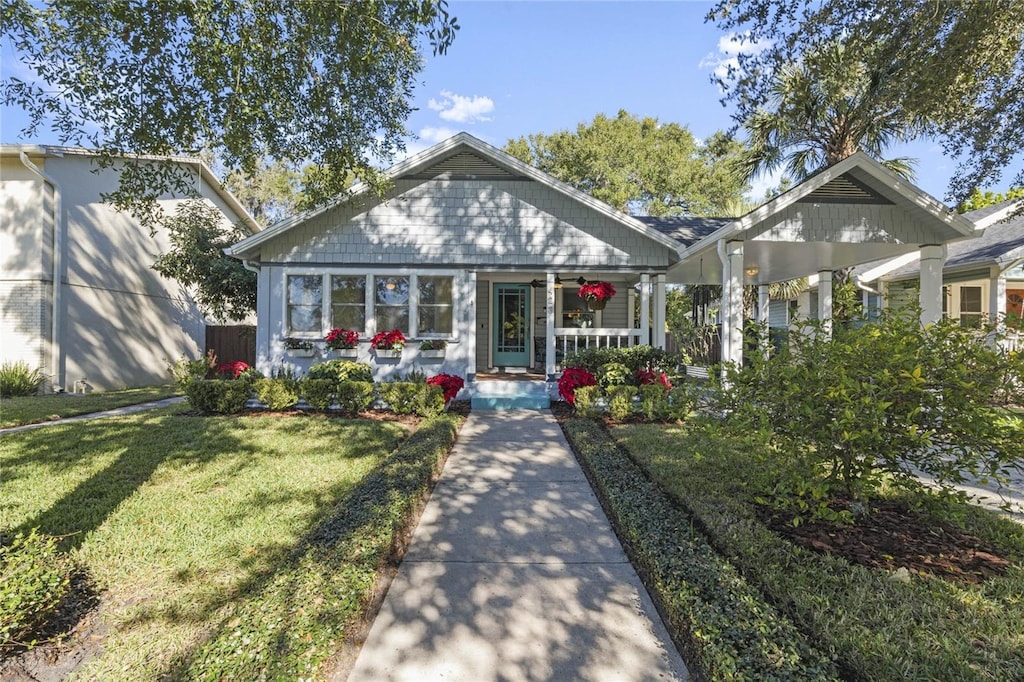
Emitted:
pixel 432 135
pixel 730 46
pixel 462 109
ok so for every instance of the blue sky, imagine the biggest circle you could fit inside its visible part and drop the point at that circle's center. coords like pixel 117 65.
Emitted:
pixel 523 67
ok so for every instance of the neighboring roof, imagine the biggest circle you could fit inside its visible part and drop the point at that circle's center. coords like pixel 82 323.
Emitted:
pixel 1001 244
pixel 460 155
pixel 205 173
pixel 856 180
pixel 685 229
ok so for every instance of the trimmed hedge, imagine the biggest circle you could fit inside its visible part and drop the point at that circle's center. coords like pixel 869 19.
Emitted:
pixel 413 397
pixel 726 628
pixel 341 370
pixel 221 396
pixel 276 394
pixel 318 598
pixel 319 393
pixel 355 396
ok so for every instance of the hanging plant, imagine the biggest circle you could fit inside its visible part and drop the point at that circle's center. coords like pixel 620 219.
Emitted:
pixel 597 292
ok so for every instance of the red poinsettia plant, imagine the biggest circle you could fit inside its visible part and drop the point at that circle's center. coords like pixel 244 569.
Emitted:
pixel 449 383
pixel 596 291
pixel 649 376
pixel 342 338
pixel 571 379
pixel 392 340
pixel 232 369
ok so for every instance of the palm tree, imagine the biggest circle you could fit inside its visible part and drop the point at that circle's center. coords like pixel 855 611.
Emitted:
pixel 823 109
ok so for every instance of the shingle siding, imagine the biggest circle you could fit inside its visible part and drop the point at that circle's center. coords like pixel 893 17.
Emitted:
pixel 802 222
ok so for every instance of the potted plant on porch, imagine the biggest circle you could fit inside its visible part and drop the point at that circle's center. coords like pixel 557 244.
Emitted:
pixel 433 348
pixel 388 345
pixel 298 348
pixel 343 342
pixel 596 294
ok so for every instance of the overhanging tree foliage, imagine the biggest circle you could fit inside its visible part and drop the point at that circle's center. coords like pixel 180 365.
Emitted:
pixel 958 65
pixel 639 165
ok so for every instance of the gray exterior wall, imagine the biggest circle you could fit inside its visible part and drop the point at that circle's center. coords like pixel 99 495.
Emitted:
pixel 469 224
pixel 121 321
pixel 858 223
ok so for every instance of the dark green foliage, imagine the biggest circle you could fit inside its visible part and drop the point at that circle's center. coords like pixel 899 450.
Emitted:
pixel 355 396
pixel 654 401
pixel 341 370
pixel 620 402
pixel 18 379
pixel 881 402
pixel 276 394
pixel 301 612
pixel 633 357
pixel 319 393
pixel 406 397
pixel 221 396
pixel 725 627
pixel 35 577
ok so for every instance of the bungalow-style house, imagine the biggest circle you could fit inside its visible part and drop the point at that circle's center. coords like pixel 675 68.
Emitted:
pixel 983 278
pixel 475 248
pixel 78 297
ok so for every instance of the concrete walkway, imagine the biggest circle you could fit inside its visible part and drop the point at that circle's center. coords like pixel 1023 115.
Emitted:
pixel 514 574
pixel 116 412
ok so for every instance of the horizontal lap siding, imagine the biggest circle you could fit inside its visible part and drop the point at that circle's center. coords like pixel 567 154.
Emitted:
pixel 514 223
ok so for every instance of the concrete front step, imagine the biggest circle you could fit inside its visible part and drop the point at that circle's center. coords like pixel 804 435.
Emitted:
pixel 510 395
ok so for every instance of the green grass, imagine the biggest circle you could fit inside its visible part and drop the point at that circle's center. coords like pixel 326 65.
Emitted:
pixel 198 529
pixel 878 628
pixel 42 408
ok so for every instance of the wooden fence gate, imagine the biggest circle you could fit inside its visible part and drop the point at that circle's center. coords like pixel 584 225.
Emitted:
pixel 232 343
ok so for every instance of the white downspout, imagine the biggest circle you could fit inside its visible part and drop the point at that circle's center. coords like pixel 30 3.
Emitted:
pixel 56 347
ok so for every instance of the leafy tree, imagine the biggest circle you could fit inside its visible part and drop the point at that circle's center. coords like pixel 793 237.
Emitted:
pixel 270 194
pixel 222 287
pixel 955 65
pixel 979 199
pixel 821 109
pixel 639 165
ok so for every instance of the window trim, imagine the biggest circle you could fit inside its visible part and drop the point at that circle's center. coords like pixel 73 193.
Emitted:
pixel 371 274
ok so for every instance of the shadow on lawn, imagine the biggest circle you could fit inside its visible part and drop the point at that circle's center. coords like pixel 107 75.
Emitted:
pixel 143 445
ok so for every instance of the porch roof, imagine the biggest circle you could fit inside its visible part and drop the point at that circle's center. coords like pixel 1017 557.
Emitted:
pixel 853 212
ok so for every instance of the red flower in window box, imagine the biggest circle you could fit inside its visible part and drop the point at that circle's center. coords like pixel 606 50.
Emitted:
pixel 597 292
pixel 392 340
pixel 342 338
pixel 449 383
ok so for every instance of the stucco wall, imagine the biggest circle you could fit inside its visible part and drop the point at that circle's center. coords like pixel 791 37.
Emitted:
pixel 466 223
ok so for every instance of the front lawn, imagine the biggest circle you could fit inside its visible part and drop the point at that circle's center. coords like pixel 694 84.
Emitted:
pixel 243 546
pixel 42 408
pixel 877 623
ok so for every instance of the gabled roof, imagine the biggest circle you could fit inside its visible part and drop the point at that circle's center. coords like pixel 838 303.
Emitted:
pixel 205 173
pixel 459 156
pixel 857 181
pixel 686 230
pixel 1001 244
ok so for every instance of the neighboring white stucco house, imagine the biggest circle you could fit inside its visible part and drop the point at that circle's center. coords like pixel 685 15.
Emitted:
pixel 479 249
pixel 77 294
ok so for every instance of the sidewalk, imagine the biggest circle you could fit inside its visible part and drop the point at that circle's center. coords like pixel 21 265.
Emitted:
pixel 514 573
pixel 116 412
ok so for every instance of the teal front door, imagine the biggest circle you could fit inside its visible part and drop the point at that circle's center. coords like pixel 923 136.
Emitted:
pixel 511 325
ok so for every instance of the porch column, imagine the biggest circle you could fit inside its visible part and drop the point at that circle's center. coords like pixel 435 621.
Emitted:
pixel 731 254
pixel 549 327
pixel 659 311
pixel 469 294
pixel 763 314
pixel 996 297
pixel 645 309
pixel 933 259
pixel 825 301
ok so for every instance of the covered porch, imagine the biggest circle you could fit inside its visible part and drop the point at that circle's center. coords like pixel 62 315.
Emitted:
pixel 852 213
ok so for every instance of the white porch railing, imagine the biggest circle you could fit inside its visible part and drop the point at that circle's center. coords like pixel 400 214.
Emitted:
pixel 572 339
pixel 1012 342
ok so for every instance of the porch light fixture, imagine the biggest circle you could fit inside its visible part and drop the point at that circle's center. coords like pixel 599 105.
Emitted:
pixel 581 280
pixel 536 284
pixel 558 282
pixel 391 284
pixel 752 270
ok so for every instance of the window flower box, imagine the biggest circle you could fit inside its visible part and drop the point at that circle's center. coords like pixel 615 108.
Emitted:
pixel 348 353
pixel 343 343
pixel 387 353
pixel 388 345
pixel 433 349
pixel 299 348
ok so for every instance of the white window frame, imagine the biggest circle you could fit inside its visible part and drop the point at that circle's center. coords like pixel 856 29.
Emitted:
pixel 371 275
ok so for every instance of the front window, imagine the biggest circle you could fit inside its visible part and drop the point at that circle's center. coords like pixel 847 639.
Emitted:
pixel 391 302
pixel 574 310
pixel 970 306
pixel 435 306
pixel 348 302
pixel 305 303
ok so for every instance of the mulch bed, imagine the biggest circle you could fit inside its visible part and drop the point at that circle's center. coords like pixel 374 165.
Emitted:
pixel 892 536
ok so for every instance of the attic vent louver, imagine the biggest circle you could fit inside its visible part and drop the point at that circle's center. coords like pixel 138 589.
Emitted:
pixel 844 190
pixel 464 165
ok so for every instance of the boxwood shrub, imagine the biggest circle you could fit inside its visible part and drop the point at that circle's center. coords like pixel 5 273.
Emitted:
pixel 413 397
pixel 221 396
pixel 355 396
pixel 319 392
pixel 276 394
pixel 340 370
